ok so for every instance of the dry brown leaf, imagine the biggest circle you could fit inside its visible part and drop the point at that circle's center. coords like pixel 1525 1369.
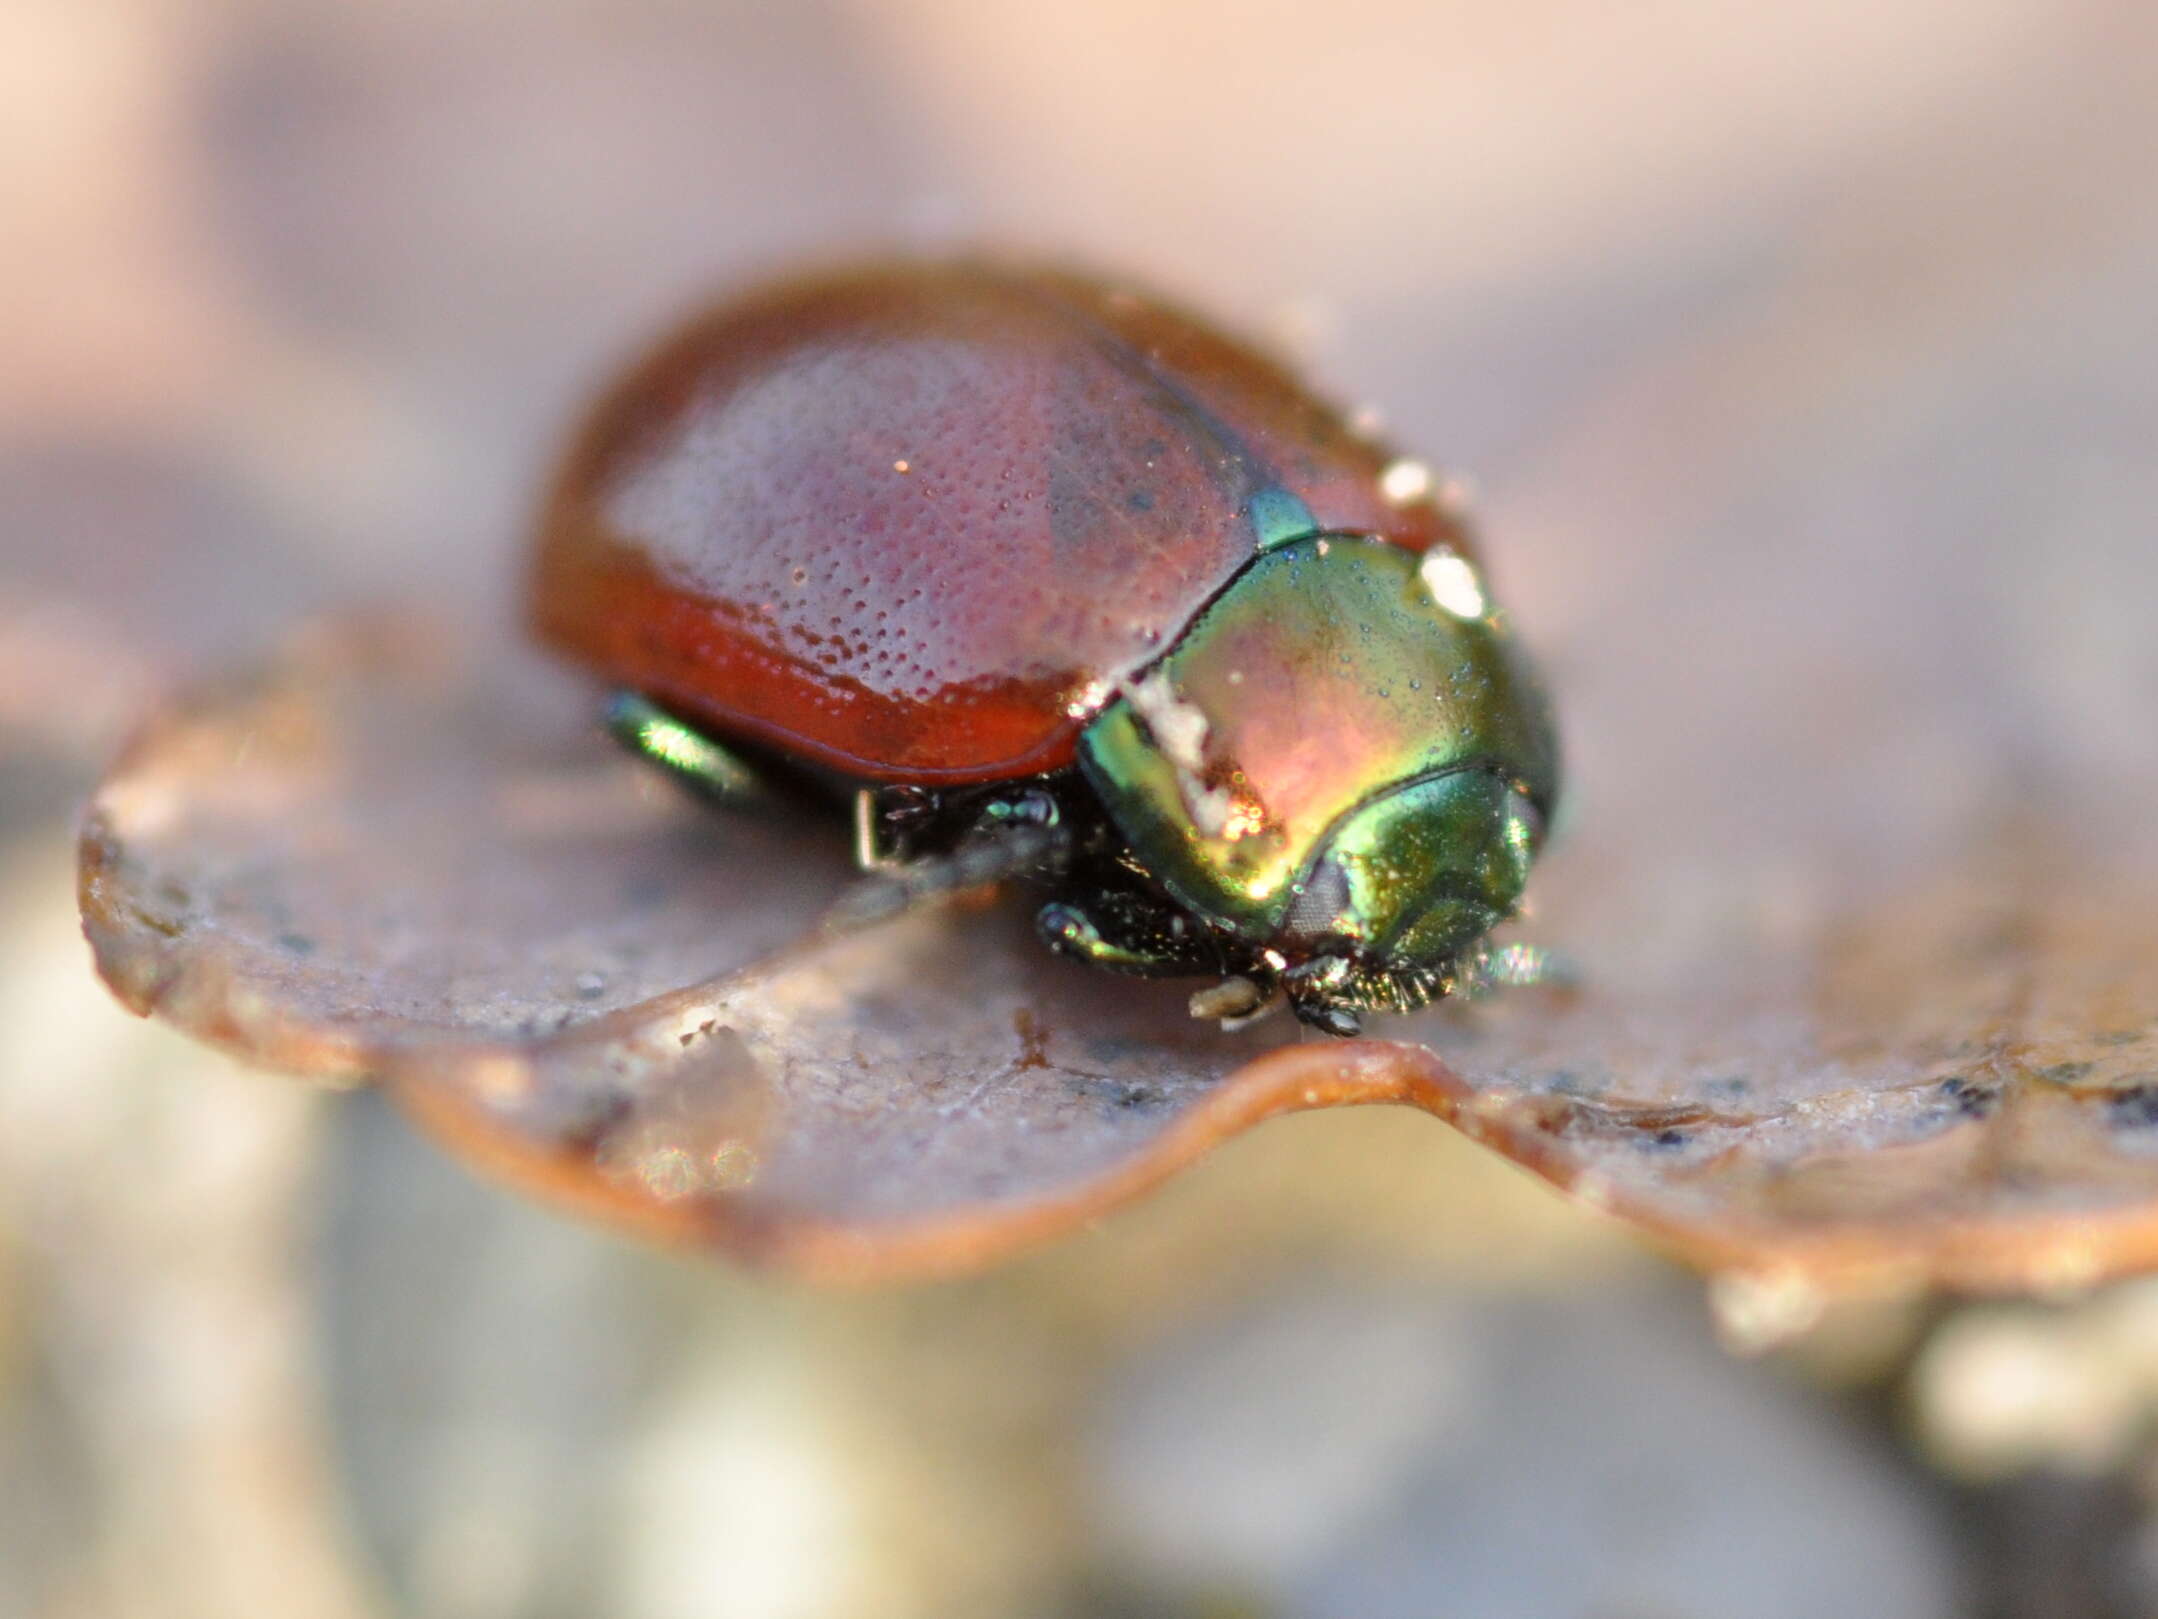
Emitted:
pixel 363 864
pixel 1952 1077
pixel 374 860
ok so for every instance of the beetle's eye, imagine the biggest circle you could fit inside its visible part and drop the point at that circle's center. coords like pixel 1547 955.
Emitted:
pixel 1322 898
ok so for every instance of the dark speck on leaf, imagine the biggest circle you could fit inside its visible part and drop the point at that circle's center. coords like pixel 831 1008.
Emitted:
pixel 1967 1100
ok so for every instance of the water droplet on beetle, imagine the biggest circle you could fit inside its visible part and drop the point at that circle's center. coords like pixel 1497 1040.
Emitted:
pixel 1405 481
pixel 1453 582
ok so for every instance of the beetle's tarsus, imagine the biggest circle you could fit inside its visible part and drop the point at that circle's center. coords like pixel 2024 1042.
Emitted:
pixel 1327 1019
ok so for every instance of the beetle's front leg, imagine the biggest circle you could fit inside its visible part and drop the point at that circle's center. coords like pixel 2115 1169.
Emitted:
pixel 1132 933
pixel 1128 932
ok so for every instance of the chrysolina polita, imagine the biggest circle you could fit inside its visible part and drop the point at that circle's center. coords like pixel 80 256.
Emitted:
pixel 1051 581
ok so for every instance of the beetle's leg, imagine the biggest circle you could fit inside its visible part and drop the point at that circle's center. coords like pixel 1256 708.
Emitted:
pixel 1328 1018
pixel 1070 931
pixel 1132 931
pixel 1018 837
pixel 1323 995
pixel 1129 933
pixel 707 768
pixel 884 820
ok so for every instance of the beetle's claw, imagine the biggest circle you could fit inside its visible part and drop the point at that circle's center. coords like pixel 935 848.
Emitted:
pixel 1336 1020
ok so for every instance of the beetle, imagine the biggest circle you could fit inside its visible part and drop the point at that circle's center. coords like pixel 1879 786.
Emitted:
pixel 1053 581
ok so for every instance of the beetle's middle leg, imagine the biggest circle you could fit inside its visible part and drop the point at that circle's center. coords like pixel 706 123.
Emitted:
pixel 1020 834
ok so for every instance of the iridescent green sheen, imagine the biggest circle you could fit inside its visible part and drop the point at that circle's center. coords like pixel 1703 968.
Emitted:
pixel 1346 754
pixel 1278 516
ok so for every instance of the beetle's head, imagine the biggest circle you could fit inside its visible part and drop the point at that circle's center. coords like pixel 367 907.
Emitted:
pixel 1402 888
pixel 1343 769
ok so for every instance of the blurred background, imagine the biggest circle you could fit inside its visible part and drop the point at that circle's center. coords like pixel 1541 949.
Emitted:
pixel 297 299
